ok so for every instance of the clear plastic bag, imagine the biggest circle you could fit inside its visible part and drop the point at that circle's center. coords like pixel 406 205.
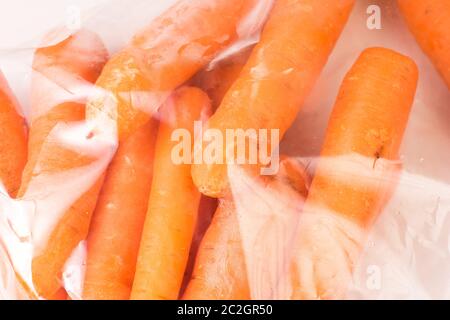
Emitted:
pixel 100 141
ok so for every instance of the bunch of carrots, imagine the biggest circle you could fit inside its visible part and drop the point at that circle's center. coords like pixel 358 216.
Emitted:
pixel 149 223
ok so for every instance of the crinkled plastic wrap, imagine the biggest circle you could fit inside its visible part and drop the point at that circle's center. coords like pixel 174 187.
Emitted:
pixel 263 225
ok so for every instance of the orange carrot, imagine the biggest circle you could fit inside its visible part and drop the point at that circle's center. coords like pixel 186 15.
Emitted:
pixel 207 208
pixel 169 51
pixel 369 122
pixel 116 227
pixel 59 70
pixel 356 171
pixel 72 228
pixel 220 270
pixel 217 81
pixel 429 21
pixel 173 205
pixel 66 67
pixel 294 47
pixel 60 295
pixel 13 140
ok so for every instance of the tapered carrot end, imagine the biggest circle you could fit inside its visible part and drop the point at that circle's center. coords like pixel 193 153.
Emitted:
pixel 211 181
pixel 387 58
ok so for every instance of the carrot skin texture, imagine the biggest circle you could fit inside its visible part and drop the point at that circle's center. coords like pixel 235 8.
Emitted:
pixel 76 61
pixel 220 270
pixel 116 227
pixel 294 47
pixel 60 295
pixel 429 21
pixel 80 58
pixel 207 208
pixel 368 122
pixel 163 56
pixel 218 81
pixel 173 205
pixel 73 227
pixel 13 140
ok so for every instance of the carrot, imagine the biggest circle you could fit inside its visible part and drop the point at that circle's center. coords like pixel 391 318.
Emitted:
pixel 429 21
pixel 68 66
pixel 13 141
pixel 220 271
pixel 58 72
pixel 173 204
pixel 72 228
pixel 369 122
pixel 356 171
pixel 207 208
pixel 217 81
pixel 116 227
pixel 294 47
pixel 168 52
pixel 60 295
